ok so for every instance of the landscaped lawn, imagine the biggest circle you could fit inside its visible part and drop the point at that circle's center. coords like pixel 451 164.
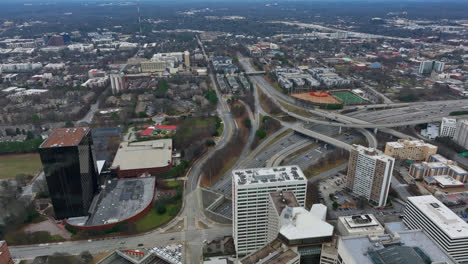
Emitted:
pixel 11 165
pixel 173 184
pixel 152 219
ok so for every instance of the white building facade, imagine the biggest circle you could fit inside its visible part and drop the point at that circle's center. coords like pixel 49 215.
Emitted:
pixel 440 223
pixel 461 133
pixel 448 127
pixel 251 188
pixel 117 84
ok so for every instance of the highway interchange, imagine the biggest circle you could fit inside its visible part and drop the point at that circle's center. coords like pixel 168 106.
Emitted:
pixel 307 131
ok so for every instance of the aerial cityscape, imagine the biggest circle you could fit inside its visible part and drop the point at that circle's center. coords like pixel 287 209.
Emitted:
pixel 233 132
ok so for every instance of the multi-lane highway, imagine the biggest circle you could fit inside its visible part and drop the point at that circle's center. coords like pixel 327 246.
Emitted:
pixel 192 236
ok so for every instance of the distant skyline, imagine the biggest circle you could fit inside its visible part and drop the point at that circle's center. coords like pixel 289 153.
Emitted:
pixel 220 1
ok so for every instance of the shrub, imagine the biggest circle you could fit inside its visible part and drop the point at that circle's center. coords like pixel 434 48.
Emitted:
pixel 261 134
pixel 161 209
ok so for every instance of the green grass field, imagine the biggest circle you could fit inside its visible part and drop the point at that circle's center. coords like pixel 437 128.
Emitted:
pixel 152 219
pixel 349 98
pixel 11 165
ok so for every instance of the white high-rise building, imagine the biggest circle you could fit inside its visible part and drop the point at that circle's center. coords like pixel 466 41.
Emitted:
pixel 461 133
pixel 251 189
pixel 370 174
pixel 440 223
pixel 429 66
pixel 116 82
pixel 448 127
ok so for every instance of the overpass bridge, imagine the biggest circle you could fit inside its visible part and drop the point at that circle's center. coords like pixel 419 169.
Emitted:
pixel 255 73
pixel 333 141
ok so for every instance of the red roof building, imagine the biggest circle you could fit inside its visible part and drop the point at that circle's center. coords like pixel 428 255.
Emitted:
pixel 149 129
pixel 166 127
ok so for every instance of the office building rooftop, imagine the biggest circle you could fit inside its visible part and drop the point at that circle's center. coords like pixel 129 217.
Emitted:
pixel 268 175
pixel 146 154
pixel 65 137
pixel 282 200
pixel 359 225
pixel 372 153
pixel 441 215
pixel 413 247
pixel 298 223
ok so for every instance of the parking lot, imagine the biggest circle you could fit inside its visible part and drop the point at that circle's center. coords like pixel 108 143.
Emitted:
pixel 335 185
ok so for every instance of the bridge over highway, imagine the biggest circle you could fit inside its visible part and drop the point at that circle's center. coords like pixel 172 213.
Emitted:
pixel 255 72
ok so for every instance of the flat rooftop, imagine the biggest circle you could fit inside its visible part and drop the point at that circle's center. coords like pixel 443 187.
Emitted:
pixel 412 143
pixel 122 199
pixel 65 137
pixel 457 169
pixel 359 221
pixel 372 153
pixel 142 155
pixel 268 175
pixel 356 224
pixel 447 181
pixel 439 158
pixel 282 200
pixel 359 247
pixel 271 253
pixel 441 215
pixel 298 223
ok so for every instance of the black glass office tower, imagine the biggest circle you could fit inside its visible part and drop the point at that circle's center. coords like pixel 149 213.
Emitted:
pixel 69 165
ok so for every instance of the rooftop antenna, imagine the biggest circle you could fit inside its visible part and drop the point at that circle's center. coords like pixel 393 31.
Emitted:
pixel 139 16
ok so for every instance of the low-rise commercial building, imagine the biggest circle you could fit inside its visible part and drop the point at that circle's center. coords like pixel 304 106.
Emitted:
pixel 438 166
pixel 444 181
pixel 136 158
pixel 410 149
pixel 440 223
pixel 153 66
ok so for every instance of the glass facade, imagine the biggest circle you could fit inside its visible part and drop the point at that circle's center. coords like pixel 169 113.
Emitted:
pixel 71 177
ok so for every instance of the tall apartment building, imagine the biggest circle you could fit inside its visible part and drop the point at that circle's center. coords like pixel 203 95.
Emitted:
pixel 117 83
pixel 187 59
pixel 300 232
pixel 410 149
pixel 461 133
pixel 448 127
pixel 251 188
pixel 69 165
pixel 369 174
pixel 429 66
pixel 278 201
pixel 440 223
